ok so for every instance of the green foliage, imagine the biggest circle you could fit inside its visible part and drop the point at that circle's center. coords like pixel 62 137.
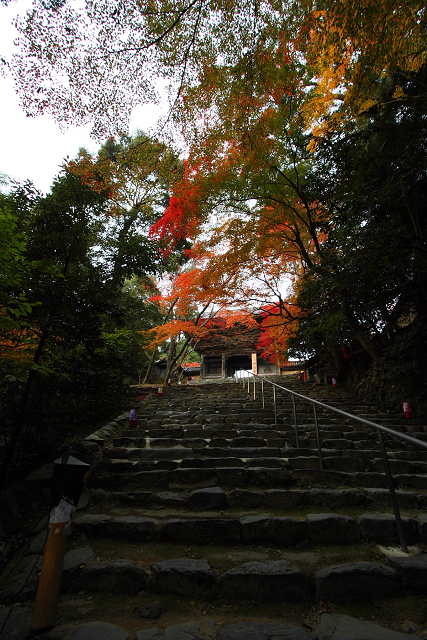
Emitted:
pixel 72 333
pixel 369 292
pixel 14 264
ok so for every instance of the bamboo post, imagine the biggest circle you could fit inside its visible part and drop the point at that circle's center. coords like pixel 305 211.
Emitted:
pixel 67 484
pixel 50 578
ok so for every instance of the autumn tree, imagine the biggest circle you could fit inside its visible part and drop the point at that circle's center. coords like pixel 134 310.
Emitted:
pixel 373 180
pixel 357 49
pixel 191 299
pixel 289 112
pixel 99 61
pixel 137 173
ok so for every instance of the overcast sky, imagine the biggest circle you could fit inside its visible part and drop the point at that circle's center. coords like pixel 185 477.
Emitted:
pixel 34 148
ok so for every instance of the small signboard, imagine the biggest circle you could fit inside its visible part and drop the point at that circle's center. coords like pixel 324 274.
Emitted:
pixel 254 364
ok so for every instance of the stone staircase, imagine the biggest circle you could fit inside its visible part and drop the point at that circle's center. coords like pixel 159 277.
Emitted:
pixel 209 506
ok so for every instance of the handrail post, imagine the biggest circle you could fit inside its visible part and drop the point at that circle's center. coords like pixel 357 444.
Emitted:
pixel 254 390
pixel 275 405
pixel 249 381
pixel 394 503
pixel 319 447
pixel 295 421
pixel 262 391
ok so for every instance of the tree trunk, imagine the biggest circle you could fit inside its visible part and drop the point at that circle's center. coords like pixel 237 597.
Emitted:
pixel 359 333
pixel 150 367
pixel 171 358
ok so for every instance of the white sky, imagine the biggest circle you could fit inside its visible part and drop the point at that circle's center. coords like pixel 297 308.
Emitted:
pixel 34 148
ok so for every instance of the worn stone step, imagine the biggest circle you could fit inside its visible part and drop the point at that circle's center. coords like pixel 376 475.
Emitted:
pixel 277 499
pixel 357 581
pixel 256 476
pixel 401 466
pixel 284 531
pixel 413 456
pixel 293 452
pixel 272 580
pixel 223 462
pixel 208 468
pixel 239 452
pixel 164 453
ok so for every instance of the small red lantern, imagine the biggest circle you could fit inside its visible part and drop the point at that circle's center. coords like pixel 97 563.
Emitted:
pixel 159 392
pixel 407 409
pixel 169 382
pixel 133 421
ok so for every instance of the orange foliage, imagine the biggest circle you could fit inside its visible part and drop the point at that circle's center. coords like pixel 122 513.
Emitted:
pixel 93 173
pixel 279 322
pixel 18 346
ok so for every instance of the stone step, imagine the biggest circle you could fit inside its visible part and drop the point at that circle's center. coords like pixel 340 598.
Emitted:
pixel 267 581
pixel 262 582
pixel 208 473
pixel 159 478
pixel 160 471
pixel 284 500
pixel 344 460
pixel 283 531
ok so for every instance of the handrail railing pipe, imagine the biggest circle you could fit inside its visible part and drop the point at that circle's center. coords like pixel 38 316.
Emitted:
pixel 275 405
pixel 380 431
pixel 262 392
pixel 394 502
pixel 319 446
pixel 295 421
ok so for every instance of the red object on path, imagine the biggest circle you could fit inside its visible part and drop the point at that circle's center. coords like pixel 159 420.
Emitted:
pixel 305 375
pixel 159 392
pixel 407 409
pixel 133 422
pixel 169 382
pixel 334 382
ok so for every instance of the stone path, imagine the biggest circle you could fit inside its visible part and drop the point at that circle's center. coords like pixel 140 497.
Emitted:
pixel 210 501
pixel 331 627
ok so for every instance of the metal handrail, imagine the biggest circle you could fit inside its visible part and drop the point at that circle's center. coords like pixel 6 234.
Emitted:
pixel 379 428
